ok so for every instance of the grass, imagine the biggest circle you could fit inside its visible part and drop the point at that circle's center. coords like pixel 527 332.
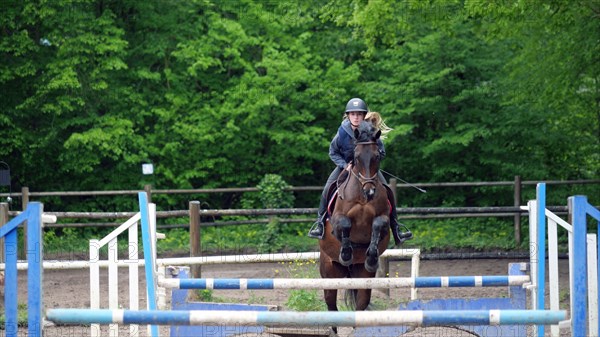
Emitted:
pixel 21 316
pixel 303 299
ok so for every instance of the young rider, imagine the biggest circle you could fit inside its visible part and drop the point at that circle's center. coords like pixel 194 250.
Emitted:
pixel 341 152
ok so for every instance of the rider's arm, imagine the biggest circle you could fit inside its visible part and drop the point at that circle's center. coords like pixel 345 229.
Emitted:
pixel 335 153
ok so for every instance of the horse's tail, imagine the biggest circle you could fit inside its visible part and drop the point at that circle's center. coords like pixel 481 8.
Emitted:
pixel 350 298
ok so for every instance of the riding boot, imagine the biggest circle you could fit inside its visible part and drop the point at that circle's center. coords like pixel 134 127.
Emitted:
pixel 395 227
pixel 399 237
pixel 318 228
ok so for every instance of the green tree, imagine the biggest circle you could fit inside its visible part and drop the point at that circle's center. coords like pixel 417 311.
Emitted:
pixel 433 79
pixel 472 92
pixel 552 78
pixel 216 94
pixel 60 79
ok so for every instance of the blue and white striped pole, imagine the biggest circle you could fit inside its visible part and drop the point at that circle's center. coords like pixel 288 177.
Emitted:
pixel 345 283
pixel 310 318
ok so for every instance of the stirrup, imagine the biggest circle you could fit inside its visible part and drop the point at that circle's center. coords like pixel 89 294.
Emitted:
pixel 315 225
pixel 404 236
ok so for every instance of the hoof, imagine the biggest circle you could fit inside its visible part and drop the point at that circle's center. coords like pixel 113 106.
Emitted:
pixel 346 256
pixel 345 263
pixel 372 262
pixel 371 267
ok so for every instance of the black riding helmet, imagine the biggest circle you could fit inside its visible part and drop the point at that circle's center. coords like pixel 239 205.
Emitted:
pixel 356 104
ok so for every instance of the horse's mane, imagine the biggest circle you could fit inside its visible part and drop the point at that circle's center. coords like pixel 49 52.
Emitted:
pixel 366 132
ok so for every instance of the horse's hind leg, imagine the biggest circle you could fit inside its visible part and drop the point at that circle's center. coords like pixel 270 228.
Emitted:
pixel 380 224
pixel 331 269
pixel 343 226
pixel 330 296
pixel 362 298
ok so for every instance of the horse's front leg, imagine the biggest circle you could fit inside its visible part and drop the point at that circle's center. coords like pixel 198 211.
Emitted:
pixel 380 224
pixel 342 232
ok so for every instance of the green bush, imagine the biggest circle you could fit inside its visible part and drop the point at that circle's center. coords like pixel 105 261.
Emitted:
pixel 273 193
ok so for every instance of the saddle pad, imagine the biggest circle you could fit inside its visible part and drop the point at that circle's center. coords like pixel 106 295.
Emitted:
pixel 331 203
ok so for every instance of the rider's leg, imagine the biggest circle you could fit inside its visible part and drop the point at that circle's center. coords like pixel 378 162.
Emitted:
pixel 394 225
pixel 318 227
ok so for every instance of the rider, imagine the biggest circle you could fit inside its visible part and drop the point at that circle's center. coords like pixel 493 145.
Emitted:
pixel 341 152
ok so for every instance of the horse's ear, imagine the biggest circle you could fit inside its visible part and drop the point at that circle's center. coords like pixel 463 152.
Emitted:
pixel 378 134
pixel 356 133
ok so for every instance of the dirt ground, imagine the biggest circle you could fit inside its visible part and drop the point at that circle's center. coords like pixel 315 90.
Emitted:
pixel 70 289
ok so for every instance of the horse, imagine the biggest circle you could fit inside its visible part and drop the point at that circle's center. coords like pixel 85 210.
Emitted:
pixel 357 232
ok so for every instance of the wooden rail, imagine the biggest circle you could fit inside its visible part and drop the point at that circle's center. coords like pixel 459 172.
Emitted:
pixel 404 213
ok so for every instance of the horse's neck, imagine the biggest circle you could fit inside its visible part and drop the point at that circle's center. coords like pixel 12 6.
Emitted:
pixel 352 188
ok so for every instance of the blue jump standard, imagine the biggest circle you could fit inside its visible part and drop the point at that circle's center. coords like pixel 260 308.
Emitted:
pixel 314 318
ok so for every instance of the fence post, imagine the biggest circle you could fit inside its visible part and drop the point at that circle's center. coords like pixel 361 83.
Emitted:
pixel 24 203
pixel 195 236
pixel 3 221
pixel 517 221
pixel 148 190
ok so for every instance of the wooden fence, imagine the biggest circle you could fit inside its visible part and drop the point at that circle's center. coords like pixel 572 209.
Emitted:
pixel 195 213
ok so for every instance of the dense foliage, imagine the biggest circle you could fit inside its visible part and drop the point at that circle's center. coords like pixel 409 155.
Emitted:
pixel 220 93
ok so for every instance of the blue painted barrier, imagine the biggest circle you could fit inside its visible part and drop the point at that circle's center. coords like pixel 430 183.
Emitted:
pixel 517 299
pixel 33 216
pixel 179 301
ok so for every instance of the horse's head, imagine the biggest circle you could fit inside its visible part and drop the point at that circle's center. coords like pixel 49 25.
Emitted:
pixel 366 157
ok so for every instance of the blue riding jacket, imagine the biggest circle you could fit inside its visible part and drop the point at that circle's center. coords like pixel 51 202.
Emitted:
pixel 341 149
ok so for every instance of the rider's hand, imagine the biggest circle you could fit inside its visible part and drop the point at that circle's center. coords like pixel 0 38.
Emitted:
pixel 349 167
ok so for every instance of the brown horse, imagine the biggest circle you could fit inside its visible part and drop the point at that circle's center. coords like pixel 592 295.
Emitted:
pixel 358 231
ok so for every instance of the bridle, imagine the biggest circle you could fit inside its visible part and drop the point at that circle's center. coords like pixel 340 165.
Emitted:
pixel 362 179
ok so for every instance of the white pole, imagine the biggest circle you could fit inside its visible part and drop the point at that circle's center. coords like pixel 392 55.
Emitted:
pixel 113 282
pixel 133 276
pixel 94 283
pixel 553 272
pixel 533 251
pixel 414 272
pixel 592 259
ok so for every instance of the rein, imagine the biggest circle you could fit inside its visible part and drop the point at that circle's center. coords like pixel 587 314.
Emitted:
pixel 365 180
